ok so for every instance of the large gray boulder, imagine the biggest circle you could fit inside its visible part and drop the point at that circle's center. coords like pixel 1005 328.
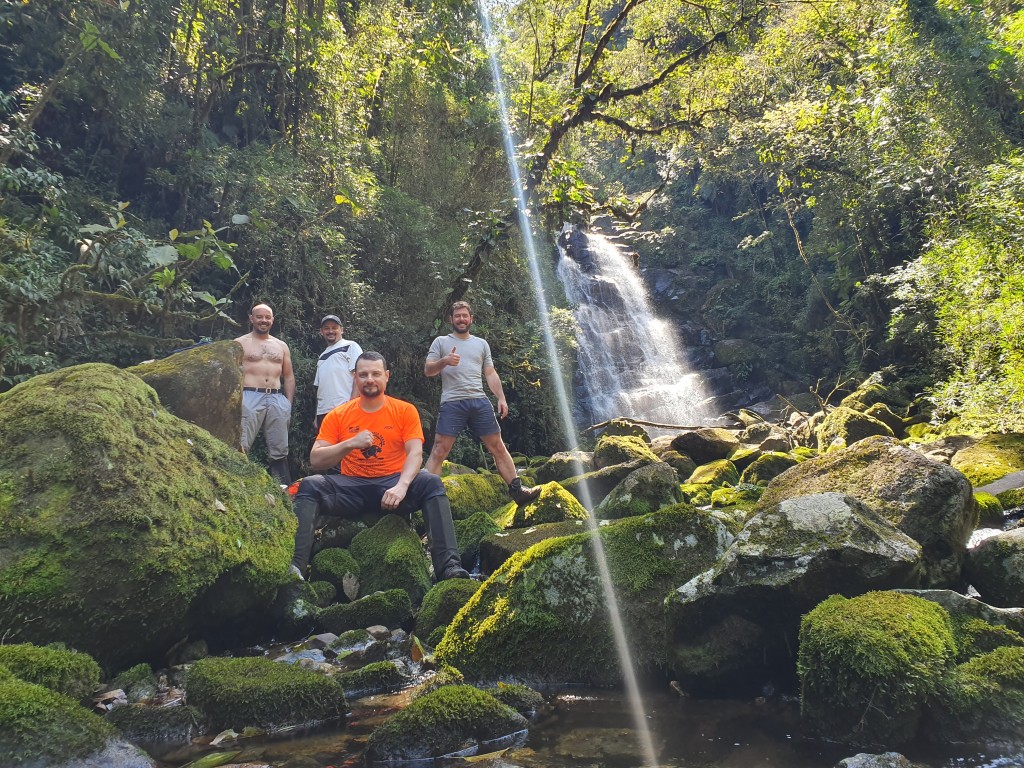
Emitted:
pixel 740 617
pixel 202 384
pixel 996 569
pixel 708 444
pixel 645 490
pixel 930 502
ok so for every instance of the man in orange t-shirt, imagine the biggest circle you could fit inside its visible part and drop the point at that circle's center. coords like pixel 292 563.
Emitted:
pixel 378 441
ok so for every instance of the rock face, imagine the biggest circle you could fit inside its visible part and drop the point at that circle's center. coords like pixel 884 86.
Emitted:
pixel 119 520
pixel 648 489
pixel 704 445
pixel 543 616
pixel 202 385
pixel 930 502
pixel 745 610
pixel 996 569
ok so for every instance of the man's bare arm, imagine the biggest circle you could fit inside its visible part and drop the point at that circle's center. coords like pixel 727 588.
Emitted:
pixel 325 454
pixel 413 461
pixel 494 383
pixel 287 375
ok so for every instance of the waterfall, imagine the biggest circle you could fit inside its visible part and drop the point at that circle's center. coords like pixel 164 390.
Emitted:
pixel 630 360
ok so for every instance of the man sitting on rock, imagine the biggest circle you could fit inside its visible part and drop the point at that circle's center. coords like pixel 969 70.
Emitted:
pixel 378 441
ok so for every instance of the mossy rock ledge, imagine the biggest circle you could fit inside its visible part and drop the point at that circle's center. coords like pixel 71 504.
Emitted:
pixel 647 489
pixel 929 501
pixel 542 616
pixel 737 622
pixel 454 719
pixel 119 520
pixel 390 556
pixel 996 569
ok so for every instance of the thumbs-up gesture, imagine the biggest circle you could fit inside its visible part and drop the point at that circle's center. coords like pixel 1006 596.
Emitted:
pixel 452 358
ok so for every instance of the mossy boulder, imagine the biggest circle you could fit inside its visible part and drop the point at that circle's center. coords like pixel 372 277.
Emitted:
pixel 697 494
pixel 845 426
pixel 74 674
pixel 335 565
pixel 743 495
pixel 138 682
pixel 390 556
pixel 125 517
pixel 553 505
pixel 591 488
pixel 470 494
pixel 565 464
pixel 990 509
pixel 453 718
pixel 1009 499
pixel 645 490
pixel 982 699
pixel 868 665
pixel 470 532
pixel 441 604
pixel 521 698
pixel 682 464
pixel 996 569
pixel 319 593
pixel 499 547
pixel 376 677
pixel 744 456
pixel 706 445
pixel 202 385
pixel 783 563
pixel 542 616
pixel 992 457
pixel 767 467
pixel 611 450
pixel 873 392
pixel 626 428
pixel 156 725
pixel 40 727
pixel 257 692
pixel 390 609
pixel 715 473
pixel 929 501
pixel 883 413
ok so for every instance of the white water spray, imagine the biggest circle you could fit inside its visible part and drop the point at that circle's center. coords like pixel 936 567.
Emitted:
pixel 625 660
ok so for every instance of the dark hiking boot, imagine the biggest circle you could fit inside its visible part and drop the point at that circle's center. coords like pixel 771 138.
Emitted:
pixel 522 495
pixel 444 550
pixel 452 571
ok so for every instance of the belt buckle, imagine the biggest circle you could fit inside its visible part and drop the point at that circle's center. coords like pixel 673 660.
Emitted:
pixel 267 391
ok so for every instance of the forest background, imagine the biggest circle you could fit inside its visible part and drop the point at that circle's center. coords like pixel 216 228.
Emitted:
pixel 840 181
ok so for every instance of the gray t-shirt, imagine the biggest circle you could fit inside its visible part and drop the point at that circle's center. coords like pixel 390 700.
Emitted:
pixel 465 380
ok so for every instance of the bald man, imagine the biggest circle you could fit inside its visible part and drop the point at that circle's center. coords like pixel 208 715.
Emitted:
pixel 268 390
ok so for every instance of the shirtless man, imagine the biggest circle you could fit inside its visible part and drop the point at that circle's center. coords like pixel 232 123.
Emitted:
pixel 269 388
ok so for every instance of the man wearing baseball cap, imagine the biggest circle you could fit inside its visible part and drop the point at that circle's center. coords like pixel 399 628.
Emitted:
pixel 335 381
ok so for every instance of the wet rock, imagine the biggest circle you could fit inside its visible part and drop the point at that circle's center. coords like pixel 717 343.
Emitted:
pixel 565 464
pixel 786 560
pixel 990 510
pixel 928 501
pixel 705 445
pixel 644 490
pixel 454 719
pixel 335 565
pixel 996 569
pixel 777 441
pixel 390 556
pixel 683 465
pixel 256 692
pixel 542 615
pixel 868 664
pixel 202 385
pixel 756 432
pixel 521 698
pixel 183 534
pixel 375 678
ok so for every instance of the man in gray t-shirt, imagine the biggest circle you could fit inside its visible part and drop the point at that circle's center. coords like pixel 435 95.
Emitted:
pixel 464 362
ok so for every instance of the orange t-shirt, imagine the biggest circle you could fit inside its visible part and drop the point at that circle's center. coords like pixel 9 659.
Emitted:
pixel 394 424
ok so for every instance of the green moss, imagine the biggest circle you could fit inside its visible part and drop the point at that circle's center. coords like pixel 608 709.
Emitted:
pixel 441 604
pixel 744 496
pixel 845 426
pixel 257 692
pixel 645 490
pixel 715 473
pixel 470 531
pixel 390 556
pixel 499 547
pixel 975 637
pixel 564 465
pixel 521 698
pixel 990 509
pixel 743 457
pixel 922 432
pixel 542 614
pixel 803 453
pixel 74 674
pixel 697 494
pixel 767 467
pixel 334 565
pixel 983 698
pixel 992 457
pixel 38 724
pixel 612 449
pixel 553 505
pixel 441 723
pixel 682 464
pixel 446 675
pixel 391 609
pixel 868 664
pixel 126 517
pixel 375 677
pixel 1009 499
pixel 319 593
pixel 152 725
pixel 626 428
pixel 137 682
pixel 437 635
pixel 470 494
pixel 592 487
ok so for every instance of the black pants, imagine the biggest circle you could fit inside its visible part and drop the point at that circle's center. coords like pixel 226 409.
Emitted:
pixel 346 496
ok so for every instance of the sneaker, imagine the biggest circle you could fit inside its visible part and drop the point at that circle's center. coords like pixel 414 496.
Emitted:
pixel 522 495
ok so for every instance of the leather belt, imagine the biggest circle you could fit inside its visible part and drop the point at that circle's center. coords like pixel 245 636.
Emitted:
pixel 264 390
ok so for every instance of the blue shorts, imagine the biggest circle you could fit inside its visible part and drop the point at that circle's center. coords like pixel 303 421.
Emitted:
pixel 476 413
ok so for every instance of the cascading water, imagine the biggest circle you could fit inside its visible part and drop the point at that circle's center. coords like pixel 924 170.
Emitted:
pixel 630 360
pixel 643 731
